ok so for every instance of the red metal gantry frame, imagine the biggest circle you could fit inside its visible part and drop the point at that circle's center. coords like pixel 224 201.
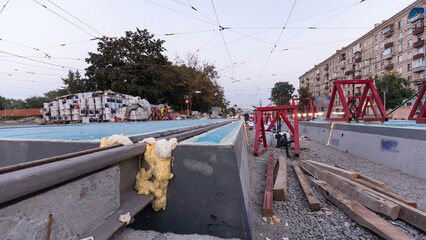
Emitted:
pixel 337 88
pixel 308 108
pixel 260 126
pixel 421 118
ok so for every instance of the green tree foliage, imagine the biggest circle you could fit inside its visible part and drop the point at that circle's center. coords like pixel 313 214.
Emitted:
pixel 199 80
pixel 281 93
pixel 132 64
pixel 398 89
pixel 74 83
pixel 305 93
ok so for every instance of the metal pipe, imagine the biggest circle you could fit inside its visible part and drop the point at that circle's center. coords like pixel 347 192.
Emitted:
pixel 23 182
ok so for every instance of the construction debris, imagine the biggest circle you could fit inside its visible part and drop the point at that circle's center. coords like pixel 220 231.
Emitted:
pixel 359 213
pixel 310 195
pixel 280 186
pixel 371 198
pixel 268 197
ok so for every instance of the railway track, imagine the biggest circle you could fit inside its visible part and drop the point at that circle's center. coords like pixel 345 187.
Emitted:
pixel 42 175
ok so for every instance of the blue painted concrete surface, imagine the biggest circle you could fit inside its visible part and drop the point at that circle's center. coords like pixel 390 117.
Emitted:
pixel 390 123
pixel 90 132
pixel 222 135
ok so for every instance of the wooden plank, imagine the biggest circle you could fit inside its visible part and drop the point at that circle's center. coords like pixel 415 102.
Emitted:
pixel 314 203
pixel 339 171
pixel 366 178
pixel 268 200
pixel 407 213
pixel 280 186
pixel 350 189
pixel 386 192
pixel 372 181
pixel 359 213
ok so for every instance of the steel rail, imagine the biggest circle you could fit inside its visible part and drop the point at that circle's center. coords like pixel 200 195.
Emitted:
pixel 134 139
pixel 36 178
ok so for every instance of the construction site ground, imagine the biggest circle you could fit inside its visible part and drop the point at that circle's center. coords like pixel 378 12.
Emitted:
pixel 299 222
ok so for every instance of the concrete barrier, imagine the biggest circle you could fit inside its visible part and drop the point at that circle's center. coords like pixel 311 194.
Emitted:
pixel 398 147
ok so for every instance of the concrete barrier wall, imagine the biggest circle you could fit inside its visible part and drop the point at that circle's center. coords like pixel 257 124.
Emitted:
pixel 76 207
pixel 20 151
pixel 400 148
pixel 209 193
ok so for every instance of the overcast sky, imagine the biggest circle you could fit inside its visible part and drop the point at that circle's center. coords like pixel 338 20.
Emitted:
pixel 42 39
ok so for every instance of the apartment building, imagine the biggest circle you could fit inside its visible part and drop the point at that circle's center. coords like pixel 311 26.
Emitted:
pixel 395 45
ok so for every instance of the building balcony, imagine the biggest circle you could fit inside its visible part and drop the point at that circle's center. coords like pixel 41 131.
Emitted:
pixel 418 69
pixel 387 56
pixel 326 67
pixel 418 30
pixel 417 56
pixel 357 60
pixel 342 64
pixel 387 31
pixel 342 57
pixel 317 78
pixel 389 45
pixel 419 43
pixel 389 66
pixel 358 77
pixel 349 72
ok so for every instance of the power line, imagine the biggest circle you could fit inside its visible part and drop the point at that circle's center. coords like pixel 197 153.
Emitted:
pixel 221 29
pixel 71 43
pixel 171 9
pixel 208 41
pixel 32 65
pixel 23 45
pixel 34 60
pixel 64 18
pixel 181 33
pixel 4 6
pixel 276 42
pixel 76 18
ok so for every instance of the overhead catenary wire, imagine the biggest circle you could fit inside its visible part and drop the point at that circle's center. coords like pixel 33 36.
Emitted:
pixel 4 6
pixel 57 14
pixel 276 42
pixel 76 18
pixel 32 65
pixel 34 60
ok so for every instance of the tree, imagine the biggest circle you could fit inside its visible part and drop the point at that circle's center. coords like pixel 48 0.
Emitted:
pixel 281 93
pixel 132 64
pixel 305 93
pixel 398 89
pixel 74 83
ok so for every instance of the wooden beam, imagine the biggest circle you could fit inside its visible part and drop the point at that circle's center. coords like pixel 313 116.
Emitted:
pixel 350 189
pixel 359 213
pixel 367 179
pixel 386 192
pixel 339 171
pixel 314 203
pixel 407 213
pixel 280 186
pixel 268 200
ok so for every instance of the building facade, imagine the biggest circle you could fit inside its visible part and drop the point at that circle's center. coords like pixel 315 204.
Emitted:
pixel 394 46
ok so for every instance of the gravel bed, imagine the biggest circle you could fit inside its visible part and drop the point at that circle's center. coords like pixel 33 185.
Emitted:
pixel 298 222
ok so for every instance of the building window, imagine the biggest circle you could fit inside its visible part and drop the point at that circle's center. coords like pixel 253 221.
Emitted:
pixel 375 38
pixel 383 65
pixel 420 50
pixel 382 45
pixel 421 76
pixel 377 57
pixel 400 47
pixel 376 47
pixel 400 58
pixel 400 24
pixel 410 78
pixel 370 41
pixel 400 69
pixel 409 67
pixel 400 36
pixel 409 31
pixel 410 55
pixel 410 43
pixel 377 66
